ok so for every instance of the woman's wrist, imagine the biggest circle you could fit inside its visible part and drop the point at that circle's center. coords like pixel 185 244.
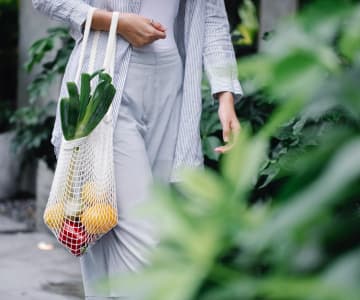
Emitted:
pixel 225 97
pixel 102 20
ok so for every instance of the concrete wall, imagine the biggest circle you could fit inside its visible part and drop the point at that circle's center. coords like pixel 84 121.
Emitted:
pixel 270 13
pixel 32 26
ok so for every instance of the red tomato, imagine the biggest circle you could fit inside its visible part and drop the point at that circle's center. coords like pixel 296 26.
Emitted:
pixel 74 237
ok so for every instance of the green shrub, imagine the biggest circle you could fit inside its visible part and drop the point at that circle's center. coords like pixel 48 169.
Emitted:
pixel 33 123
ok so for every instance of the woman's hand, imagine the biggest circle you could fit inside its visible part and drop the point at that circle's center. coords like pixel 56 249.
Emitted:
pixel 229 121
pixel 136 29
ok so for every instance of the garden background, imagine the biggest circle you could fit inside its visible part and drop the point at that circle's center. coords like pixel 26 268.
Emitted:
pixel 276 218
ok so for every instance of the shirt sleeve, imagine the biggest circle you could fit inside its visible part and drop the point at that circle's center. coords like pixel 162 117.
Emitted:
pixel 219 58
pixel 70 12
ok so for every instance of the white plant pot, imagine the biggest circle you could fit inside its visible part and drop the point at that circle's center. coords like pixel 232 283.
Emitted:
pixel 9 166
pixel 44 178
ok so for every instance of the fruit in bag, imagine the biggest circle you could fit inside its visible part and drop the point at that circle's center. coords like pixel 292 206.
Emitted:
pixel 54 216
pixel 99 218
pixel 74 237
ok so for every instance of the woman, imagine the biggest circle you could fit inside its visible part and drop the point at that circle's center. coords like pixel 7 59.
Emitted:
pixel 162 48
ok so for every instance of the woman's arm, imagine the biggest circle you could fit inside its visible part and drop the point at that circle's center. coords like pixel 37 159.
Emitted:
pixel 70 12
pixel 134 28
pixel 221 69
pixel 219 56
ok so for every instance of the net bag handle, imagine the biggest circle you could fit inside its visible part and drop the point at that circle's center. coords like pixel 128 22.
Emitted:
pixel 110 48
pixel 84 43
pixel 109 60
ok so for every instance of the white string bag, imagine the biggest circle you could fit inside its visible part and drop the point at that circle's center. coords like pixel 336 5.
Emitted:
pixel 82 202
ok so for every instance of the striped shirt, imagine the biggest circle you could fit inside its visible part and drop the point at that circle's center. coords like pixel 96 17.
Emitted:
pixel 202 34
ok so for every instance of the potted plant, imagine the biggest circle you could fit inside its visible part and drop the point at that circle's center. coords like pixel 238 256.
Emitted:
pixel 33 123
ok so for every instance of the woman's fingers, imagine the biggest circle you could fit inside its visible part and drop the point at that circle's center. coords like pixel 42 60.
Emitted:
pixel 223 149
pixel 231 128
pixel 157 34
pixel 158 26
pixel 236 128
pixel 139 31
pixel 226 131
pixel 155 30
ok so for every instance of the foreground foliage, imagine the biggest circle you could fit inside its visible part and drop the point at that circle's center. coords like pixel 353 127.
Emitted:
pixel 274 225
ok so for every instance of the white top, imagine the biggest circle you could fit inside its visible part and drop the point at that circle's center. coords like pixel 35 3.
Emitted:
pixel 163 11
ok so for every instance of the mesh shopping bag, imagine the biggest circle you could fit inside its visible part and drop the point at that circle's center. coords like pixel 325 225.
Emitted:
pixel 82 202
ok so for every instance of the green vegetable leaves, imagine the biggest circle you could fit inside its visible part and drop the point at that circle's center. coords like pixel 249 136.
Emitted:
pixel 81 113
pixel 84 94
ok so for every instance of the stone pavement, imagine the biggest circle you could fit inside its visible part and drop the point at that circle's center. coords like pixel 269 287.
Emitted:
pixel 29 273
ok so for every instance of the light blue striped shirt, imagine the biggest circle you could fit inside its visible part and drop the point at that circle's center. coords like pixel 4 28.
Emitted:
pixel 202 34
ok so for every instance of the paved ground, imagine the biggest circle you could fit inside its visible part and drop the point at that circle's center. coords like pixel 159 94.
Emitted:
pixel 28 273
pixel 8 225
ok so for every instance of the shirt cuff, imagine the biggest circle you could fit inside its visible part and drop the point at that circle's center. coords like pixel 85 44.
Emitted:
pixel 234 87
pixel 77 19
pixel 222 76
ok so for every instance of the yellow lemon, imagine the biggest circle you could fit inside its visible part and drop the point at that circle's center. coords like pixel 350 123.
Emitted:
pixel 99 218
pixel 54 216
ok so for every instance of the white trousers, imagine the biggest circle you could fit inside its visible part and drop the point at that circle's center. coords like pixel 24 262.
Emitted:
pixel 144 145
